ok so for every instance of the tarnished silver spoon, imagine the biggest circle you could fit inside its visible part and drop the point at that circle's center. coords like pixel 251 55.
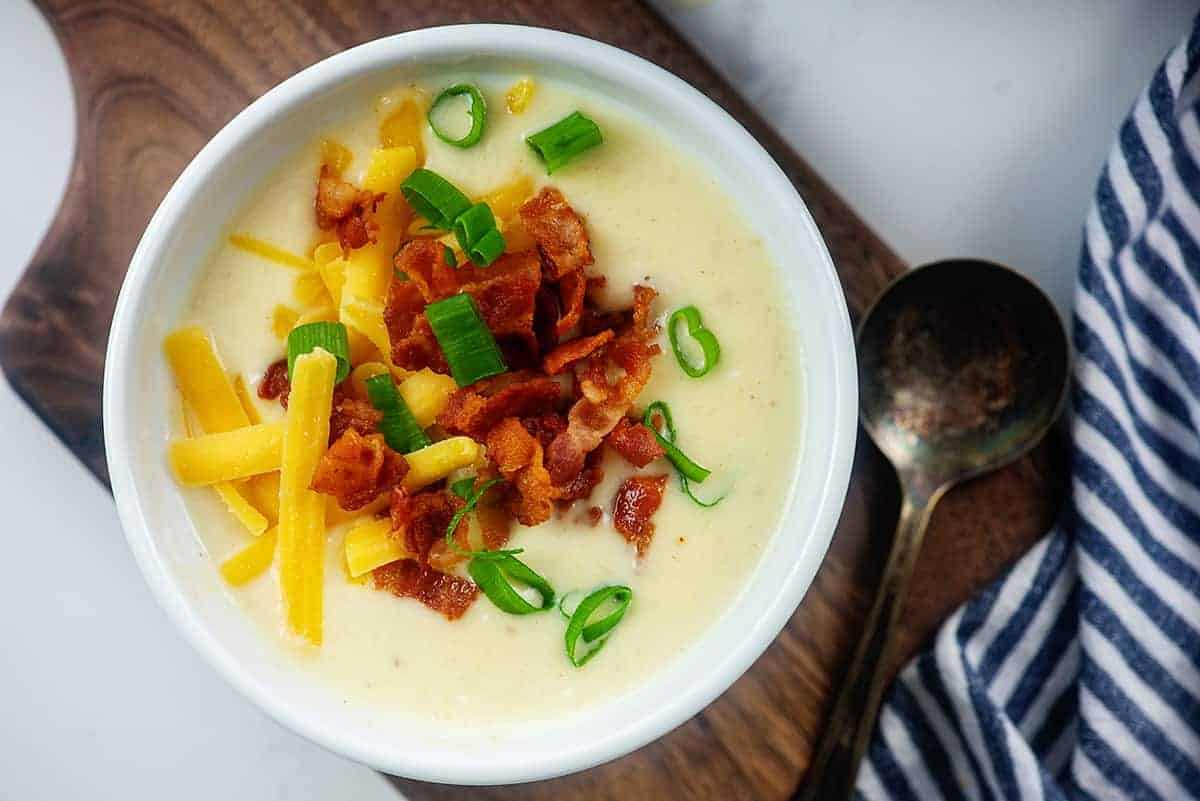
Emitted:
pixel 963 366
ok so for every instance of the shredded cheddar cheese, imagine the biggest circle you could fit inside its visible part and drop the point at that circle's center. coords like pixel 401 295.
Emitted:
pixel 372 545
pixel 270 252
pixel 519 95
pixel 252 561
pixel 301 510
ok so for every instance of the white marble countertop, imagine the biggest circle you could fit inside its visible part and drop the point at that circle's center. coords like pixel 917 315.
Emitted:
pixel 955 128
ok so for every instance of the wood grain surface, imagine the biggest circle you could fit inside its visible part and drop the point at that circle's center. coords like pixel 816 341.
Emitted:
pixel 155 79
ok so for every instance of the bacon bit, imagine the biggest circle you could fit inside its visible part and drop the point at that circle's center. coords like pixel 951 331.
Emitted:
pixel 422 520
pixel 335 198
pixel 545 427
pixel 491 512
pixel 350 414
pixel 420 349
pixel 637 500
pixel 341 205
pixel 593 321
pixel 518 456
pixel 561 237
pixel 568 353
pixel 470 412
pixel 356 469
pixel 603 404
pixel 506 294
pixel 404 305
pixel 572 289
pixel 448 595
pixel 580 487
pixel 274 384
pixel 635 442
pixel 594 515
pixel 643 296
pixel 424 262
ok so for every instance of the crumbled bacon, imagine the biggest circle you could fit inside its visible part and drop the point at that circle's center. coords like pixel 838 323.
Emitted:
pixel 604 402
pixel 568 353
pixel 423 262
pixel 422 520
pixel 518 457
pixel 545 317
pixel 342 206
pixel 419 349
pixel 275 384
pixel 545 427
pixel 637 500
pixel 506 296
pixel 357 469
pixel 558 230
pixel 635 442
pixel 505 292
pixel 580 487
pixel 449 595
pixel 594 515
pixel 572 290
pixel 350 414
pixel 470 412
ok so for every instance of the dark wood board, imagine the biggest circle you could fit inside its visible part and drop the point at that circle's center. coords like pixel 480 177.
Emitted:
pixel 154 79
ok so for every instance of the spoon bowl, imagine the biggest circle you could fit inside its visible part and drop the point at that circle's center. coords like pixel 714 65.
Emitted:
pixel 962 367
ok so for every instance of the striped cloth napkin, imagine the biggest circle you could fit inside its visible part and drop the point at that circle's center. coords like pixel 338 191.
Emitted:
pixel 1077 675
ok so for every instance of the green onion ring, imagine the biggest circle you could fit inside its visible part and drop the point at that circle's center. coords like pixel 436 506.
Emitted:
pixel 704 338
pixel 495 575
pixel 688 470
pixel 472 497
pixel 466 341
pixel 434 198
pixel 599 631
pixel 328 336
pixel 478 235
pixel 477 110
pixel 563 141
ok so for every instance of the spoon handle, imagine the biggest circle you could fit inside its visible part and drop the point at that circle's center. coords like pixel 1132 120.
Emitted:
pixel 832 772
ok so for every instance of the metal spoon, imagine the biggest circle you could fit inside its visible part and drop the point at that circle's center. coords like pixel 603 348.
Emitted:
pixel 963 366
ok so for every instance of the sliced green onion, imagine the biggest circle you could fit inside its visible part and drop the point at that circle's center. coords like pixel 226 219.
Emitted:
pixel 434 198
pixel 564 140
pixel 398 426
pixel 704 338
pixel 477 110
pixel 495 576
pixel 465 489
pixel 468 345
pixel 448 256
pixel 688 470
pixel 595 634
pixel 478 236
pixel 678 458
pixel 328 336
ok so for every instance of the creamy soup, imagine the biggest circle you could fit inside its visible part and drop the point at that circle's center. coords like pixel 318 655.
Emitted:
pixel 655 216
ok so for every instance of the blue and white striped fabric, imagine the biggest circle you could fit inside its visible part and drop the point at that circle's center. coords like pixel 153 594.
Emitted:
pixel 1077 675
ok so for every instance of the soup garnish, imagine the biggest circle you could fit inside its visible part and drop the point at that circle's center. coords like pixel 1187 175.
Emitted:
pixel 452 375
pixel 707 340
pixel 476 110
pixel 566 139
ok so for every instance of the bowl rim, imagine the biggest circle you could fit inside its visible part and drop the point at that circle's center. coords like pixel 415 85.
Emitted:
pixel 502 41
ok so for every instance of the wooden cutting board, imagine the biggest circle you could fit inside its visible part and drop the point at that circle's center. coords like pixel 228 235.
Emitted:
pixel 154 79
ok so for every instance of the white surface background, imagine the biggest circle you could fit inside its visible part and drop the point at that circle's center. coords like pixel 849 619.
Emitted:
pixel 974 128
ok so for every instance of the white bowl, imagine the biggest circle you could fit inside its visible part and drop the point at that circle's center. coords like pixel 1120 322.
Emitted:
pixel 138 391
